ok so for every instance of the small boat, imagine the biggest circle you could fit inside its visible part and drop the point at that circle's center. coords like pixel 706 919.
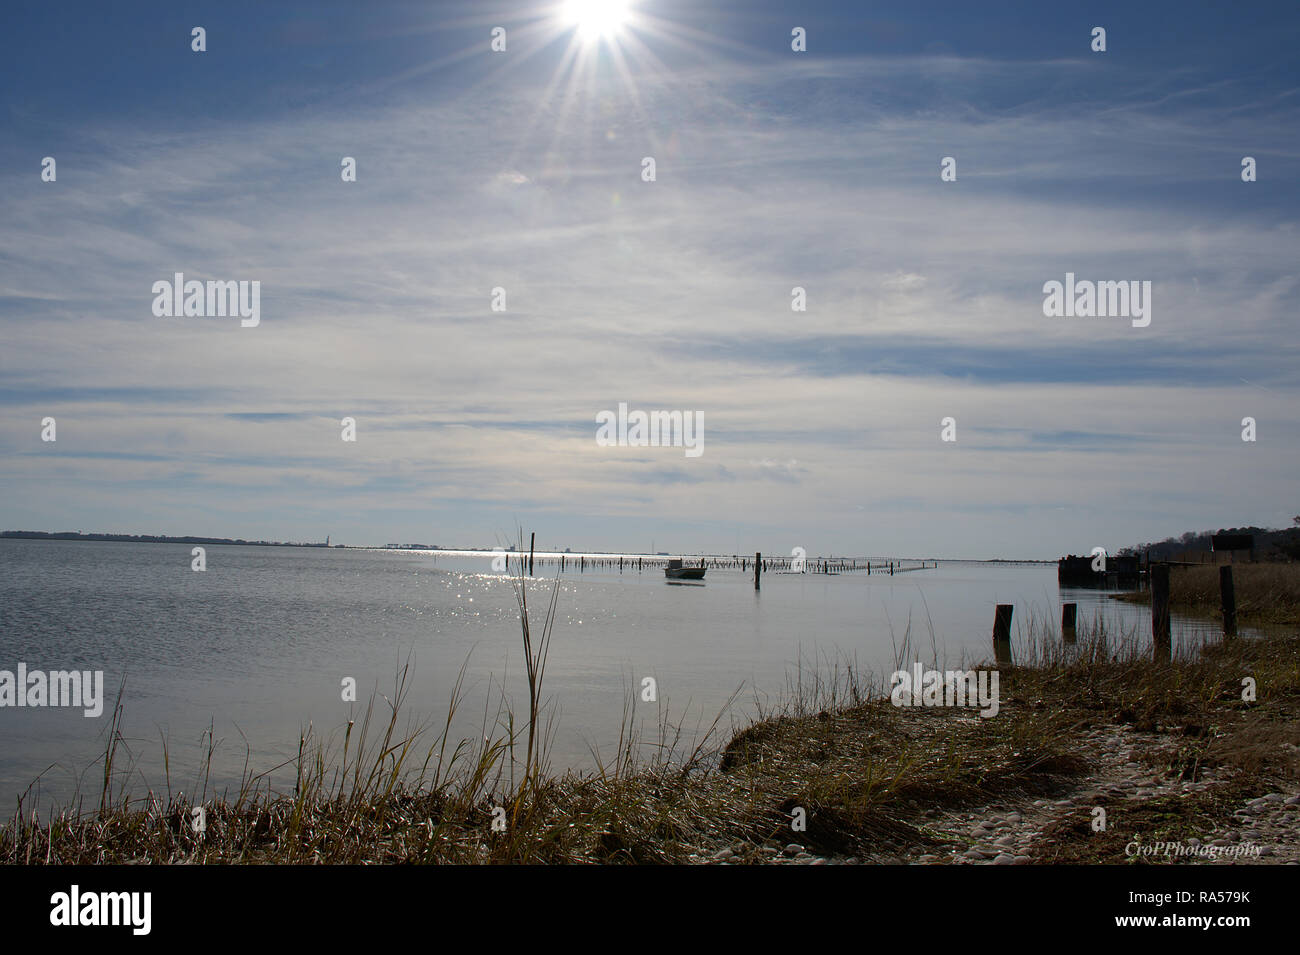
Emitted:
pixel 675 571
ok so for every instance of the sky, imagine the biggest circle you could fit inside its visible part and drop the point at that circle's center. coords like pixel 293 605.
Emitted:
pixel 522 170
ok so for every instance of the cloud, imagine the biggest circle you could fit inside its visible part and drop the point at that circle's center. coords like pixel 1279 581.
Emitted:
pixel 924 298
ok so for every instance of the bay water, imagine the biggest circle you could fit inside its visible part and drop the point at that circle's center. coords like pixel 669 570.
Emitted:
pixel 257 647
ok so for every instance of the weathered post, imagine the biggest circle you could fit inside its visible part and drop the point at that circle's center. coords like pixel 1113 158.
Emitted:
pixel 1160 630
pixel 1069 614
pixel 1002 634
pixel 532 539
pixel 1228 597
pixel 758 566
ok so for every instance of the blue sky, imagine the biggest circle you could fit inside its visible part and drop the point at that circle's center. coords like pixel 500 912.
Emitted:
pixel 775 169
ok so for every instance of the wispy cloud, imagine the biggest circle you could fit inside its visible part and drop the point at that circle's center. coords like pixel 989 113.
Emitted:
pixel 924 300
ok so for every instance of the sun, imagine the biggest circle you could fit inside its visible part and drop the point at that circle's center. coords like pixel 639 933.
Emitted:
pixel 596 19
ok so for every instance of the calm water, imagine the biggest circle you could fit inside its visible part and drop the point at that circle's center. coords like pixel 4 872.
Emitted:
pixel 259 643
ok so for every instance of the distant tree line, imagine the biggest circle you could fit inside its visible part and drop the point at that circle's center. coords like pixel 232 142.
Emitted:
pixel 144 538
pixel 1270 544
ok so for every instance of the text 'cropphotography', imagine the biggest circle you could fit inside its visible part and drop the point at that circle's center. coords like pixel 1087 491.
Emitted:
pixel 195 299
pixel 1195 848
pixel 954 688
pixel 1127 298
pixel 71 688
pixel 653 429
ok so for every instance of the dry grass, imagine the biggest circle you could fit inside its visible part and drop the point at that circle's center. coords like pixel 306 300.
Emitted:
pixel 1267 593
pixel 871 778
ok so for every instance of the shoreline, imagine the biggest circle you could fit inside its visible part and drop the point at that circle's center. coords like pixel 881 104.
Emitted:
pixel 1170 753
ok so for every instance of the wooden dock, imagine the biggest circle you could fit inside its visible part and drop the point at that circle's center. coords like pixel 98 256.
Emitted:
pixel 534 563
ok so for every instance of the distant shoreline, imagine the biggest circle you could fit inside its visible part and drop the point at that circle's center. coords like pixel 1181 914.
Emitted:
pixel 430 549
pixel 149 539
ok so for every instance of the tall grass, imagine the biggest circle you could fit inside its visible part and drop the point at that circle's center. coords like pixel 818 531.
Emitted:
pixel 535 655
pixel 386 788
pixel 381 774
pixel 1266 593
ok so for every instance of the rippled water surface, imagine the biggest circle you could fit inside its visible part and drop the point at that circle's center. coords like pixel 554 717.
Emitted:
pixel 257 645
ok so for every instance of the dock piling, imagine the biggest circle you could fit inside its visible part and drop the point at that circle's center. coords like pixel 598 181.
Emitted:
pixel 1160 629
pixel 1228 597
pixel 1002 634
pixel 1069 616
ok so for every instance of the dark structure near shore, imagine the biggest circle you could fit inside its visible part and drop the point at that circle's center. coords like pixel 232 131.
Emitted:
pixel 1233 545
pixel 1122 571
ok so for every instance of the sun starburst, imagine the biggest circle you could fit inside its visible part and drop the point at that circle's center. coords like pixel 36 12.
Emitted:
pixel 596 20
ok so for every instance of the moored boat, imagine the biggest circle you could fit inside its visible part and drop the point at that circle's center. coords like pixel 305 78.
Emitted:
pixel 675 571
